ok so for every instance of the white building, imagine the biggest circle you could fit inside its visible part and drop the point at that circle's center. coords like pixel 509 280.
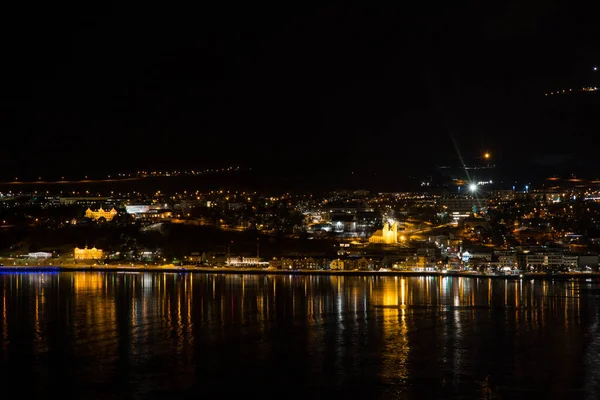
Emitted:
pixel 245 262
pixel 467 256
pixel 39 255
pixel 144 208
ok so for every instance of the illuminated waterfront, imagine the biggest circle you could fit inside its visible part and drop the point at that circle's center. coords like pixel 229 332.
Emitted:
pixel 164 335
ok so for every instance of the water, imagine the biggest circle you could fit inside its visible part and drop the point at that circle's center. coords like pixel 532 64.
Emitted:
pixel 98 335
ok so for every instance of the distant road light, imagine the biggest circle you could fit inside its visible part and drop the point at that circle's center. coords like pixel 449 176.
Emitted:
pixel 473 187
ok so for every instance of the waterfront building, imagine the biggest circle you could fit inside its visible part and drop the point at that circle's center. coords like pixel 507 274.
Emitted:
pixel 300 263
pixel 87 254
pixel 339 264
pixel 553 259
pixel 39 255
pixel 245 262
pixel 348 264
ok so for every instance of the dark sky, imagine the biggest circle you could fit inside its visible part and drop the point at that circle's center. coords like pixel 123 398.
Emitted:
pixel 346 85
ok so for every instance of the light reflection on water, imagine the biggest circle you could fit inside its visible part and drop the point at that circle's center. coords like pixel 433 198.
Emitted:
pixel 159 335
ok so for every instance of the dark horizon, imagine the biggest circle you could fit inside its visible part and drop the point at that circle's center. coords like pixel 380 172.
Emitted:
pixel 270 181
pixel 375 89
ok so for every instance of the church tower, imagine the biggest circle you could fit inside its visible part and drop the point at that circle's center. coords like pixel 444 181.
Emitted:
pixel 390 233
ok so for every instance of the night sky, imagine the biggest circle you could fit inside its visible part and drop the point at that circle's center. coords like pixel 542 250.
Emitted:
pixel 342 86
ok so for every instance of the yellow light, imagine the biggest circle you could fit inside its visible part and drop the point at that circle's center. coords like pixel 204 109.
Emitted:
pixel 487 155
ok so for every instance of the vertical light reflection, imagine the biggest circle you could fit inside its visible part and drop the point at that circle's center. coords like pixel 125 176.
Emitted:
pixel 592 360
pixel 294 297
pixel 396 351
pixel 389 291
pixel 243 299
pixel 167 307
pixel 543 301
pixel 266 300
pixel 189 296
pixel 37 316
pixel 179 321
pixel 311 303
pixel 4 322
pixel 457 359
pixel 260 304
pixel 521 300
pixel 133 315
pixel 403 295
pixel 339 299
pixel 457 293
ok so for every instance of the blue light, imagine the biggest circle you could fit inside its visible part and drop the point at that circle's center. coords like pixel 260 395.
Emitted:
pixel 28 270
pixel 20 271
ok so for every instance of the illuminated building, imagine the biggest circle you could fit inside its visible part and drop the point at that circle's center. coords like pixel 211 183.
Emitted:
pixel 387 235
pixel 338 264
pixel 149 212
pixel 85 200
pixel 87 254
pixel 300 263
pixel 462 207
pixel 245 261
pixel 152 215
pixel 143 208
pixel 350 264
pixel 100 213
pixel 39 255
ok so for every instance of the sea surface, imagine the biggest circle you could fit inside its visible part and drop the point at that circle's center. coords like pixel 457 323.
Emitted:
pixel 105 335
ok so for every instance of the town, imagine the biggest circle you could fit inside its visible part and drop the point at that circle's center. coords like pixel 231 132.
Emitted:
pixel 468 227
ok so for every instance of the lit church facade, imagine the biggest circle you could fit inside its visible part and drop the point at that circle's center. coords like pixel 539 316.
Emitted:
pixel 87 254
pixel 387 235
pixel 100 213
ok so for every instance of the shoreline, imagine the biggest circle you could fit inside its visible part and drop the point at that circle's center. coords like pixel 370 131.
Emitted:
pixel 260 271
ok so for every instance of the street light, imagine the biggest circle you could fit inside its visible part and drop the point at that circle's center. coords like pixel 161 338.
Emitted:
pixel 473 187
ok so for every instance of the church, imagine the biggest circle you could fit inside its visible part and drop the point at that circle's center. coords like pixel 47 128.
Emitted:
pixel 387 235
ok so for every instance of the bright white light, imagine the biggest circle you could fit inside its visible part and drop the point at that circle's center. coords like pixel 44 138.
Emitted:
pixel 472 187
pixel 595 68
